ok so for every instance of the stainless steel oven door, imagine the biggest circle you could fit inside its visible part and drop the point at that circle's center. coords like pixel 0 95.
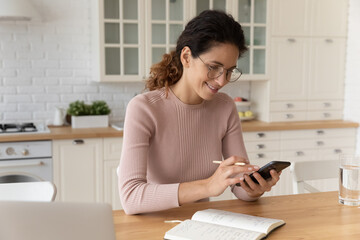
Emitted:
pixel 30 170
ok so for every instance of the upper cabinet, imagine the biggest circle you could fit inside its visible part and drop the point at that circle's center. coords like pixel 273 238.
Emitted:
pixel 309 18
pixel 129 36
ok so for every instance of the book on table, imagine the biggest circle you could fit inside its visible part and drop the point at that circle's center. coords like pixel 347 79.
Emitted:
pixel 213 224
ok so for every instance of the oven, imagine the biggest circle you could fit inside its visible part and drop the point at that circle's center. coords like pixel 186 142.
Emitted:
pixel 25 161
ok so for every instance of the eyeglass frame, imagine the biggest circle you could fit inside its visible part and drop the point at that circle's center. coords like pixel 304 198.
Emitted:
pixel 227 71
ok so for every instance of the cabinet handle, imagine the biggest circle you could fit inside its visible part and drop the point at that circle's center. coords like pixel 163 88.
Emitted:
pixel 300 153
pixel 320 143
pixel 261 135
pixel 329 40
pixel 292 40
pixel 327 104
pixel 260 155
pixel 78 141
pixel 337 150
pixel 320 132
pixel 289 116
pixel 260 146
pixel 327 115
pixel 289 105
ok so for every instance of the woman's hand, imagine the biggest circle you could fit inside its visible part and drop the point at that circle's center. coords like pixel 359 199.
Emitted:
pixel 224 175
pixel 256 190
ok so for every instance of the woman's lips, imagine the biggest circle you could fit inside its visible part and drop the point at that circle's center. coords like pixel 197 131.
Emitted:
pixel 213 89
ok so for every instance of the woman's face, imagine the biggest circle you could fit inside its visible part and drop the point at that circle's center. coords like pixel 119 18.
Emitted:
pixel 222 55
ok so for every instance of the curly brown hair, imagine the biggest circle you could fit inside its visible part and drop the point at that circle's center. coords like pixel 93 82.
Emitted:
pixel 203 32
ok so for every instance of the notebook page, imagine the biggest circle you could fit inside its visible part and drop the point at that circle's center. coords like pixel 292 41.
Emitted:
pixel 236 220
pixel 190 229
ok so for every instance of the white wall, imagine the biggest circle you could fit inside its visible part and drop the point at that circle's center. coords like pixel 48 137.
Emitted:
pixel 352 75
pixel 47 64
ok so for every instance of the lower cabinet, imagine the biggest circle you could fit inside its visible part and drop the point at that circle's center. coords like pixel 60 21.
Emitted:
pixel 85 170
pixel 297 145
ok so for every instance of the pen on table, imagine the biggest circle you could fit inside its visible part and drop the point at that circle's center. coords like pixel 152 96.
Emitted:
pixel 238 163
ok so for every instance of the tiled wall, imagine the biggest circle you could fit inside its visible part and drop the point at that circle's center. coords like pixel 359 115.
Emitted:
pixel 47 64
pixel 352 82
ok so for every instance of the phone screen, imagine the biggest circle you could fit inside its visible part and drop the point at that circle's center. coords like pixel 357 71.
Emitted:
pixel 264 171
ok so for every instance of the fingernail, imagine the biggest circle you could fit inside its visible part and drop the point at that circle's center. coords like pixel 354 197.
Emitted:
pixel 250 168
pixel 241 179
pixel 256 167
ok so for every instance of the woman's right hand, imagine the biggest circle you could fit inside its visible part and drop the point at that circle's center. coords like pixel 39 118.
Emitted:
pixel 224 175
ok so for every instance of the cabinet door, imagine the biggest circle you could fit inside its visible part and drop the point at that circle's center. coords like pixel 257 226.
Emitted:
pixel 290 17
pixel 121 42
pixel 327 68
pixel 289 61
pixel 329 18
pixel 78 170
pixel 166 20
pixel 111 190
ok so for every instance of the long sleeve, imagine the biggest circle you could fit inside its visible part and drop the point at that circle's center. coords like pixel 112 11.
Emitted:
pixel 136 194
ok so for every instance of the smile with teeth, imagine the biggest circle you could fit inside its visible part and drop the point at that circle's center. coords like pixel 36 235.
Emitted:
pixel 211 87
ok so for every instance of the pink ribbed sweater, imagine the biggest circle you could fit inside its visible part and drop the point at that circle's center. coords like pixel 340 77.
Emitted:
pixel 167 142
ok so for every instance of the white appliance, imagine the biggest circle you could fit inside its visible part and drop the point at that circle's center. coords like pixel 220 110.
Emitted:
pixel 24 161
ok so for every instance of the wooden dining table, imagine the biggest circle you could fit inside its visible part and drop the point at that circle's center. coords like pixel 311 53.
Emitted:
pixel 307 216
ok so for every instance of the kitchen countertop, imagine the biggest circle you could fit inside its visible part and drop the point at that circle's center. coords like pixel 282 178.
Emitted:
pixel 66 132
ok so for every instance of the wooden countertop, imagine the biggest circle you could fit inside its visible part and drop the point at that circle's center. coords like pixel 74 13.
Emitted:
pixel 67 132
pixel 314 216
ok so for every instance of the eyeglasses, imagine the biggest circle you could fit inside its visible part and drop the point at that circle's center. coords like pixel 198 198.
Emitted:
pixel 216 71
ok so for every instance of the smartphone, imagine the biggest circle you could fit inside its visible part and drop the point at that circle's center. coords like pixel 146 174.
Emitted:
pixel 264 171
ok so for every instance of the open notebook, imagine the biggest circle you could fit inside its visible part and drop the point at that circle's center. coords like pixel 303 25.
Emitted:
pixel 56 221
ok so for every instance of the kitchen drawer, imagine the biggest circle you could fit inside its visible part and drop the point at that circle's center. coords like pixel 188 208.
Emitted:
pixel 335 142
pixel 326 105
pixel 263 146
pixel 112 148
pixel 266 135
pixel 298 144
pixel 265 157
pixel 325 115
pixel 319 133
pixel 299 155
pixel 334 153
pixel 287 116
pixel 288 106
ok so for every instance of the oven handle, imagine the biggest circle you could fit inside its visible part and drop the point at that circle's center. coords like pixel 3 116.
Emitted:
pixel 29 164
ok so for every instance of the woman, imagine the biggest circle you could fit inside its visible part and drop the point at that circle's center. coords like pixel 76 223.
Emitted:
pixel 173 133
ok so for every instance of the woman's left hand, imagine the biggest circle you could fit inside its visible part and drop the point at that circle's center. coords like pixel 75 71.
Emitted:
pixel 256 190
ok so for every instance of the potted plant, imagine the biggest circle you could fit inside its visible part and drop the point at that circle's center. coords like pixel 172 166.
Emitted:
pixel 89 115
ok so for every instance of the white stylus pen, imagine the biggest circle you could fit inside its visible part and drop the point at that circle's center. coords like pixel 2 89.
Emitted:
pixel 238 163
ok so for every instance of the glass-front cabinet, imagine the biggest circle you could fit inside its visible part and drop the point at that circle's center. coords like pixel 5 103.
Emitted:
pixel 165 22
pixel 121 40
pixel 251 14
pixel 132 35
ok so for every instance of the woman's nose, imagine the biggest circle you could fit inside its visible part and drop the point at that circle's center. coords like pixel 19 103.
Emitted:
pixel 221 80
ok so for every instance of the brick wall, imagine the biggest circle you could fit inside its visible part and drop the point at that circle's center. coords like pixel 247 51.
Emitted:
pixel 352 74
pixel 47 64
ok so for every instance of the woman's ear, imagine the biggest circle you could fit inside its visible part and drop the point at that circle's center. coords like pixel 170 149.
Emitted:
pixel 185 56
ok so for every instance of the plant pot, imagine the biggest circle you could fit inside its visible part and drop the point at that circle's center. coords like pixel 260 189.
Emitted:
pixel 92 121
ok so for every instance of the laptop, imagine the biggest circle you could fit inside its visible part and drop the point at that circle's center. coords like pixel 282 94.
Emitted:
pixel 56 221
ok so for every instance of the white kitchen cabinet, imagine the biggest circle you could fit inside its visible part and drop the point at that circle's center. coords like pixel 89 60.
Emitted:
pixel 78 169
pixel 307 67
pixel 309 17
pixel 85 170
pixel 112 154
pixel 297 145
pixel 327 68
pixel 290 68
pixel 130 35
